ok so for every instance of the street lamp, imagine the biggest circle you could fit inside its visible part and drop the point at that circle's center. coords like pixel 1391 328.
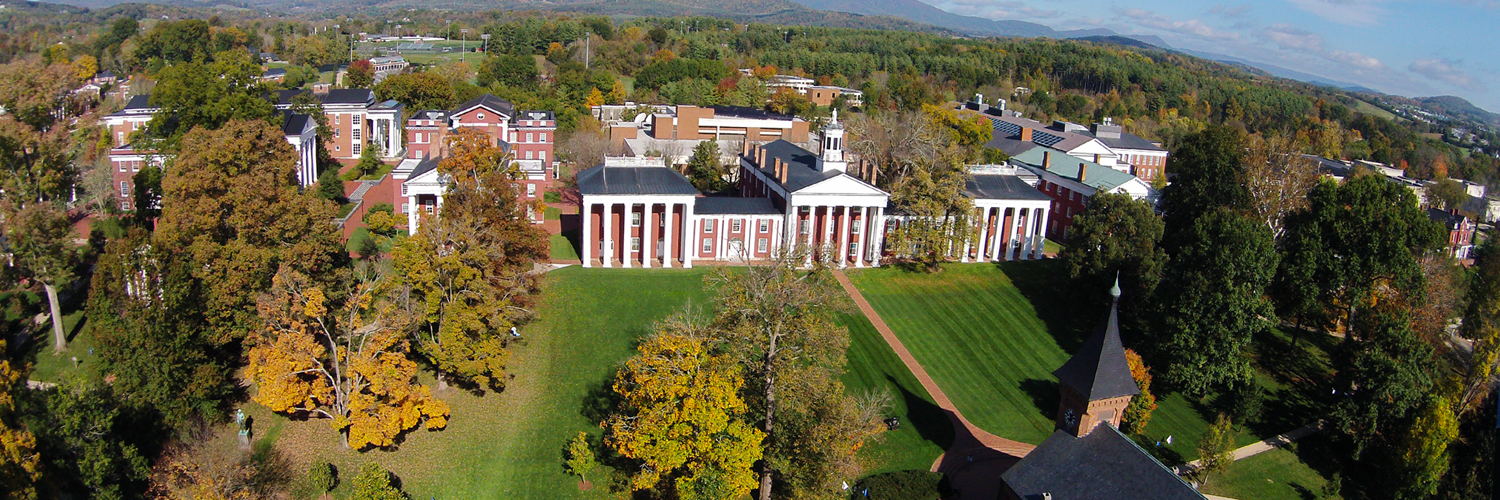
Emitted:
pixel 486 37
pixel 463 49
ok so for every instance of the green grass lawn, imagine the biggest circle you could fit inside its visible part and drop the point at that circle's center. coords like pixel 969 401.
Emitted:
pixel 991 336
pixel 52 366
pixel 1275 474
pixel 924 432
pixel 562 248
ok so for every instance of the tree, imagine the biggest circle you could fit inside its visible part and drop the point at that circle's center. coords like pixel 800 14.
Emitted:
pixel 1210 173
pixel 369 160
pixel 584 146
pixel 207 466
pixel 1138 414
pixel 1481 325
pixel 596 98
pixel 374 483
pixel 1213 302
pixel 84 67
pixel 704 168
pixel 939 217
pixel 580 457
pixel 1471 473
pixel 1278 179
pixel 470 267
pixel 680 417
pixel 1447 194
pixel 330 186
pixel 1381 379
pixel 778 321
pixel 89 443
pixel 511 70
pixel 616 93
pixel 1116 236
pixel 341 360
pixel 1332 263
pixel 425 90
pixel 360 74
pixel 894 140
pixel 208 95
pixel 967 129
pixel 1426 444
pixel 1215 451
pixel 39 237
pixel 147 193
pixel 231 202
pixel 19 462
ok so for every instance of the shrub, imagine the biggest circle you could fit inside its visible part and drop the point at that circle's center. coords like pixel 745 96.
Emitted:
pixel 900 485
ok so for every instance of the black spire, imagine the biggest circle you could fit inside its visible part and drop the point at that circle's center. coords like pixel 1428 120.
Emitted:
pixel 1099 370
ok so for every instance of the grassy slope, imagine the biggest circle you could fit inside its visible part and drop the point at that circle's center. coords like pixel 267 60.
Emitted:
pixel 1271 475
pixel 924 431
pixel 991 336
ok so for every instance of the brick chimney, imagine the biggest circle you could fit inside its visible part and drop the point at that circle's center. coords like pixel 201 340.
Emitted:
pixel 784 168
pixel 745 147
pixel 1025 134
pixel 1096 158
pixel 1083 171
pixel 760 157
pixel 1046 160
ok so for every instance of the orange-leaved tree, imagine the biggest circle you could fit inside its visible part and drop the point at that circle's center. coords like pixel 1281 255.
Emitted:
pixel 469 268
pixel 342 359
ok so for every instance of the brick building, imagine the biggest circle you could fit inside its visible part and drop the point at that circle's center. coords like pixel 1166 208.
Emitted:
pixel 1070 182
pixel 1460 231
pixel 356 120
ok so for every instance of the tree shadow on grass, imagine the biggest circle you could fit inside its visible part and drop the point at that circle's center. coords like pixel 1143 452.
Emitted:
pixel 1044 395
pixel 1045 286
pixel 931 421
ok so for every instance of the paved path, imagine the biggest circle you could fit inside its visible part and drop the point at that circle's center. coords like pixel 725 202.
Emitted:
pixel 976 458
pixel 1263 446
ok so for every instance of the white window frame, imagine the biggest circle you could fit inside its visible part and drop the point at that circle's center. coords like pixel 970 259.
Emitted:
pixel 854 228
pixel 124 188
pixel 541 155
pixel 635 243
pixel 735 226
pixel 529 155
pixel 405 207
pixel 479 115
pixel 804 226
pixel 765 225
pixel 760 245
pixel 708 227
pixel 708 245
pixel 531 190
pixel 635 219
pixel 122 165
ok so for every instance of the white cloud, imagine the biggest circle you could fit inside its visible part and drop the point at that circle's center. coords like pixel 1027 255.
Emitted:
pixel 1001 10
pixel 1445 70
pixel 1231 11
pixel 1355 59
pixel 1292 37
pixel 1347 12
pixel 1190 27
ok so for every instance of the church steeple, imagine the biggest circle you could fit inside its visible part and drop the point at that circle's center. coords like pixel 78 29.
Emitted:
pixel 833 146
pixel 1096 384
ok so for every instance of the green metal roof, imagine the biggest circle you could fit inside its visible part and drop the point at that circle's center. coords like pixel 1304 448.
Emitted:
pixel 1098 176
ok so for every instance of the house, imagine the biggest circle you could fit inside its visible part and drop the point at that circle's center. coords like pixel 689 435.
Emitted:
pixel 1086 457
pixel 824 95
pixel 1147 159
pixel 1012 214
pixel 1070 183
pixel 528 135
pixel 277 75
pixel 1104 143
pixel 126 159
pixel 357 120
pixel 1460 231
pixel 637 212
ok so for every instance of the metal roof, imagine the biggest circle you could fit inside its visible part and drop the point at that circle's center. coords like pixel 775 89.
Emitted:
pixel 489 101
pixel 1098 176
pixel 801 165
pixel 1001 187
pixel 634 180
pixel 716 205
pixel 1102 465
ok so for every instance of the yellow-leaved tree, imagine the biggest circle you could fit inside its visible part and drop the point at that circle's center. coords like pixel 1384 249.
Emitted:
pixel 19 461
pixel 681 417
pixel 342 359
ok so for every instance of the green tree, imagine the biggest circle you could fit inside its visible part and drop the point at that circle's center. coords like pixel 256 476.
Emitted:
pixel 374 483
pixel 1213 302
pixel 1215 450
pixel 1426 444
pixel 1481 325
pixel 425 90
pixel 1209 170
pixel 175 42
pixel 330 186
pixel 1389 366
pixel 40 241
pixel 517 71
pixel 580 456
pixel 470 267
pixel 704 168
pixel 680 417
pixel 147 193
pixel 1447 194
pixel 19 461
pixel 1116 236
pixel 89 442
pixel 208 95
pixel 360 74
pixel 940 219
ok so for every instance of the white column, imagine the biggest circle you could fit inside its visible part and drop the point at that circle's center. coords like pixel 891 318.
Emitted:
pixel 812 225
pixel 1041 235
pixel 995 248
pixel 967 243
pixel 983 250
pixel 606 249
pixel 648 235
pixel 394 136
pixel 627 228
pixel 843 250
pixel 411 215
pixel 877 246
pixel 1025 249
pixel 786 239
pixel 689 236
pixel 864 238
pixel 666 241
pixel 585 244
pixel 1013 228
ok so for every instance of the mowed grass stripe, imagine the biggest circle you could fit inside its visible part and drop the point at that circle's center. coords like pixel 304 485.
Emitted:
pixel 977 336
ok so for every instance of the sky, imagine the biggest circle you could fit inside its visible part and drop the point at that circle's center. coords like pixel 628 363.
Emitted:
pixel 1410 48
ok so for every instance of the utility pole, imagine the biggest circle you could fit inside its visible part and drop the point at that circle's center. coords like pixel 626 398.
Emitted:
pixel 463 49
pixel 486 38
pixel 586 40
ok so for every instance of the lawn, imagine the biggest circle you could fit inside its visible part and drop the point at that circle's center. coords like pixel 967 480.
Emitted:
pixel 925 431
pixel 1274 474
pixel 991 336
pixel 562 248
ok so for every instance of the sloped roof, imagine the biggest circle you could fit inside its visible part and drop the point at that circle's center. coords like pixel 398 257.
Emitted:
pixel 1001 187
pixel 1102 465
pixel 489 101
pixel 1450 221
pixel 1127 140
pixel 293 123
pixel 142 101
pixel 1010 145
pixel 427 164
pixel 1010 126
pixel 1099 370
pixel 1098 177
pixel 802 165
pixel 634 180
pixel 715 205
pixel 334 96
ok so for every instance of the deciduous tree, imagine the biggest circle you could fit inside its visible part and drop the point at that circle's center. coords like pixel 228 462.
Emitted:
pixel 704 168
pixel 1381 379
pixel 360 74
pixel 1116 236
pixel 1210 173
pixel 938 219
pixel 344 360
pixel 374 483
pixel 681 417
pixel 1425 459
pixel 1216 450
pixel 580 456
pixel 20 465
pixel 40 241
pixel 1138 413
pixel 1278 178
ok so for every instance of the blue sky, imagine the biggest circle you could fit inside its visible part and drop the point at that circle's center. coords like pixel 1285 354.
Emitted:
pixel 1418 49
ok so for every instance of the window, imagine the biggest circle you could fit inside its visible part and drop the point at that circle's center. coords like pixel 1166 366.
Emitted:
pixel 708 245
pixel 405 208
pixel 124 205
pixel 420 154
pixel 531 190
pixel 124 188
pixel 635 219
pixel 354 134
pixel 135 166
pixel 336 132
pixel 337 147
pixel 765 225
pixel 544 136
pixel 354 148
pixel 735 226
pixel 120 138
pixel 122 166
pixel 528 137
pixel 336 118
pixel 806 226
pixel 635 244
pixel 541 155
pixel 480 115
pixel 760 245
pixel 529 155
pixel 708 227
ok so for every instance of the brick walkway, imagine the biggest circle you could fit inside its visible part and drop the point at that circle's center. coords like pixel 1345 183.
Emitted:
pixel 976 458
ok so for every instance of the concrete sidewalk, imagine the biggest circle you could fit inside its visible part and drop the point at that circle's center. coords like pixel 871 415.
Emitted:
pixel 1263 446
